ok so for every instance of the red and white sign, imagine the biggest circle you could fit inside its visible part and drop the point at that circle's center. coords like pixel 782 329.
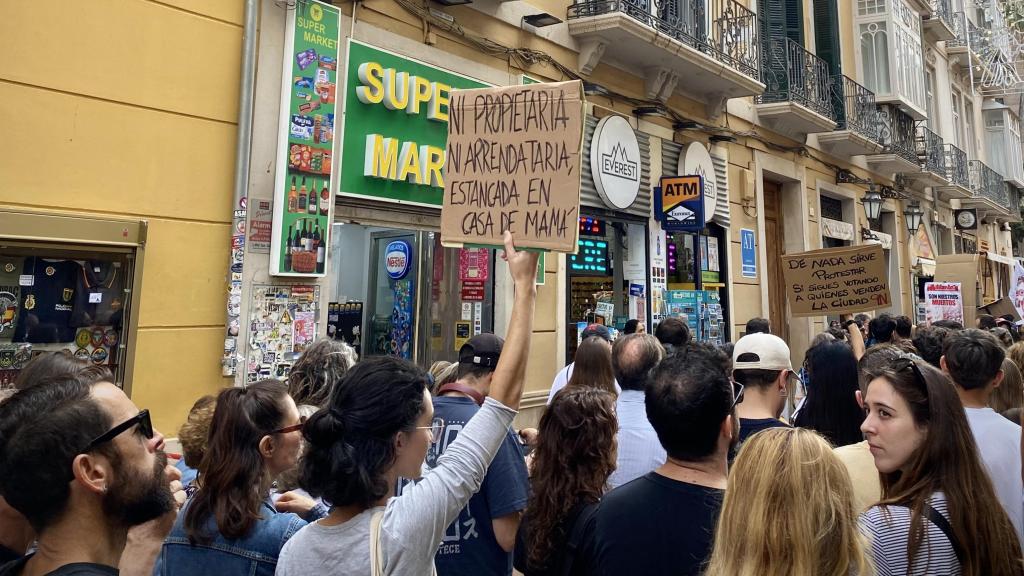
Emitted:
pixel 472 291
pixel 474 264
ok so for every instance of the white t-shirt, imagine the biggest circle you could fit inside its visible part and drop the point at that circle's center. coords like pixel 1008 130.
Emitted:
pixel 562 378
pixel 998 442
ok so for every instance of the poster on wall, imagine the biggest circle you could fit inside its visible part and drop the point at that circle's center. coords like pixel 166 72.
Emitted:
pixel 282 324
pixel 943 301
pixel 303 183
pixel 1017 288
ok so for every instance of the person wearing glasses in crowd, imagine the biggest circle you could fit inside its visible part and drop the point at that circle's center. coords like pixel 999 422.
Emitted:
pixel 229 526
pixel 663 522
pixel 84 465
pixel 761 364
pixel 377 427
pixel 938 513
pixel 973 359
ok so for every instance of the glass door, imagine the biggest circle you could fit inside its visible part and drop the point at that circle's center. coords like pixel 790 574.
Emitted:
pixel 393 290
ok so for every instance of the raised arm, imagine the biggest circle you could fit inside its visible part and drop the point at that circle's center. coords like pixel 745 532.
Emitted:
pixel 507 382
pixel 855 335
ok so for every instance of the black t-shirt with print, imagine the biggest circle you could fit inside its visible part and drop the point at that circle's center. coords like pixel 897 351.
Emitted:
pixel 77 569
pixel 99 300
pixel 47 305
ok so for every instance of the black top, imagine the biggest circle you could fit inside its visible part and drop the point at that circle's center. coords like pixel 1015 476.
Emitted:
pixel 751 426
pixel 555 565
pixel 8 555
pixel 653 526
pixel 76 569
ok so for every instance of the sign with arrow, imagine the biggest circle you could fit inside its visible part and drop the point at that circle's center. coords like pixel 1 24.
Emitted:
pixel 679 203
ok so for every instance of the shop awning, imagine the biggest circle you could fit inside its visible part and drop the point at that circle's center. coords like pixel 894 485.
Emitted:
pixel 925 267
pixel 1000 258
pixel 881 238
pixel 837 229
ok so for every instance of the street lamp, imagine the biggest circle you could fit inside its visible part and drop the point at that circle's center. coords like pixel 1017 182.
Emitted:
pixel 872 204
pixel 913 215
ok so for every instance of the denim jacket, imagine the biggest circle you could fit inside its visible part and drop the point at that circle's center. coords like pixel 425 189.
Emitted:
pixel 255 554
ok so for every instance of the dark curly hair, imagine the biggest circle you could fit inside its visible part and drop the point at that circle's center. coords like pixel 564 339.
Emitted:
pixel 319 367
pixel 351 441
pixel 574 457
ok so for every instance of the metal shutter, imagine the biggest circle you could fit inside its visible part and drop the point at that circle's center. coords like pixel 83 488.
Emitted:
pixel 588 192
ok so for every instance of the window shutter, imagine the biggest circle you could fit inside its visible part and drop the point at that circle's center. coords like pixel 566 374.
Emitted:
pixel 826 34
pixel 794 17
pixel 771 19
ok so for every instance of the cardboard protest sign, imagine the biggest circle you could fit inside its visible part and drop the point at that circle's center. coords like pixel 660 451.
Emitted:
pixel 836 280
pixel 943 301
pixel 513 163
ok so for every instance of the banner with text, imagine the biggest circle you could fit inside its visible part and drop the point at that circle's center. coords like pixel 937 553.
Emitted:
pixel 513 163
pixel 302 189
pixel 836 281
pixel 943 301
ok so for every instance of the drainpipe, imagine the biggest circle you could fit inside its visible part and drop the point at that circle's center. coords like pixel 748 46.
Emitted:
pixel 239 203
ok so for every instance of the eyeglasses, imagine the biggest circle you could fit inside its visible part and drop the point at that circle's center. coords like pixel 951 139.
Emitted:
pixel 141 420
pixel 737 392
pixel 436 428
pixel 901 364
pixel 292 428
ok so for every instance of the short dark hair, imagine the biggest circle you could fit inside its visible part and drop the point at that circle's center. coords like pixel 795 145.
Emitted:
pixel 42 429
pixel 350 442
pixel 986 321
pixel 948 324
pixel 673 332
pixel 903 326
pixel 60 364
pixel 881 328
pixel 758 326
pixel 973 358
pixel 633 358
pixel 928 341
pixel 631 325
pixel 467 369
pixel 688 397
pixel 755 377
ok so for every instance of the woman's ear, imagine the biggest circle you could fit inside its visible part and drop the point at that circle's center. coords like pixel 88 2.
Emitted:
pixel 267 446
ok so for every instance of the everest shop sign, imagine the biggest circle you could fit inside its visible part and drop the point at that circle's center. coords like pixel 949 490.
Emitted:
pixel 396 126
pixel 302 189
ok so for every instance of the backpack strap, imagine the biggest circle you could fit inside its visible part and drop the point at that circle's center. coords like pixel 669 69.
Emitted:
pixel 576 537
pixel 941 523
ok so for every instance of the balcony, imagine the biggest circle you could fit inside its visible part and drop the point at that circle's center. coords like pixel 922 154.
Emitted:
pixel 957 175
pixel 856 117
pixel 711 45
pixel 798 93
pixel 898 137
pixel 938 26
pixel 1014 211
pixel 969 47
pixel 990 194
pixel 931 157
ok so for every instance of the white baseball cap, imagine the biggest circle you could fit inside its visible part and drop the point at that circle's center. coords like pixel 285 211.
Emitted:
pixel 771 351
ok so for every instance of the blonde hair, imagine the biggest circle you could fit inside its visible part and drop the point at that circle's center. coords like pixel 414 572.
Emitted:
pixel 788 511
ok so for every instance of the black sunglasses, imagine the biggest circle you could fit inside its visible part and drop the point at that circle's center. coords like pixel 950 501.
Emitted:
pixel 901 364
pixel 141 420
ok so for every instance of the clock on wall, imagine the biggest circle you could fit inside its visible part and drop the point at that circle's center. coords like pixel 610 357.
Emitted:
pixel 966 219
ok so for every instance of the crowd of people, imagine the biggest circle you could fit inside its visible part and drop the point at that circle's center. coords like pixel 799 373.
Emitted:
pixel 892 450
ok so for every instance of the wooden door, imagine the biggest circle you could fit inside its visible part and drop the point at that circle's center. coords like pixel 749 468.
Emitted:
pixel 774 238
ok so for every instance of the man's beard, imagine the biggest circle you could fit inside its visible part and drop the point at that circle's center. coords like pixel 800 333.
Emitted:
pixel 134 500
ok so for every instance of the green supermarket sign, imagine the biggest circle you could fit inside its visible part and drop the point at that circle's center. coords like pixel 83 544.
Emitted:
pixel 396 126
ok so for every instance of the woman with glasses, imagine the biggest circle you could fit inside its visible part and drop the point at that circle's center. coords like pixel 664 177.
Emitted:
pixel 792 512
pixel 377 427
pixel 830 407
pixel 938 513
pixel 575 454
pixel 230 525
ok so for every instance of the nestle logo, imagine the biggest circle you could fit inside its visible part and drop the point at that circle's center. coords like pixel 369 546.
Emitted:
pixel 619 165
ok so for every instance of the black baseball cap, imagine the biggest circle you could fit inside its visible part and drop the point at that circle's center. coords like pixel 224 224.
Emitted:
pixel 599 330
pixel 481 350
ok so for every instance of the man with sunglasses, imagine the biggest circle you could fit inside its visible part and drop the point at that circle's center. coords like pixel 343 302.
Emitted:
pixel 83 464
pixel 973 359
pixel 762 365
pixel 663 522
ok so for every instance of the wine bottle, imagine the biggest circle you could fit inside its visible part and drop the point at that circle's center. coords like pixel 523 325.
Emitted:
pixel 325 200
pixel 288 251
pixel 297 242
pixel 293 201
pixel 321 249
pixel 306 239
pixel 312 199
pixel 302 196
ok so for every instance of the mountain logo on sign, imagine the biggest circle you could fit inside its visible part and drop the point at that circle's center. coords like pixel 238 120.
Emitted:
pixel 681 213
pixel 619 165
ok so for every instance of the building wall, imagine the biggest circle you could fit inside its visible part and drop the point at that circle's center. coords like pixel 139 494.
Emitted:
pixel 130 110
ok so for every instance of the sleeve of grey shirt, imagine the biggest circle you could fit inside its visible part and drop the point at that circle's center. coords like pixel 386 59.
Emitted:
pixel 415 522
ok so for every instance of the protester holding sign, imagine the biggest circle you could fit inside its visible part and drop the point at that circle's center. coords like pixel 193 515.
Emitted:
pixel 836 280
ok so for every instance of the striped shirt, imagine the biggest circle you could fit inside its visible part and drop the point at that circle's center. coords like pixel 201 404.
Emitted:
pixel 888 530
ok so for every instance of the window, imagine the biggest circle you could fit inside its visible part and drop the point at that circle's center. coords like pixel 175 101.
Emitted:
pixel 826 34
pixel 874 45
pixel 891 55
pixel 972 141
pixel 929 97
pixel 957 125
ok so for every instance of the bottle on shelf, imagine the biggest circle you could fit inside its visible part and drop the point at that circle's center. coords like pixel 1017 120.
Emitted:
pixel 293 200
pixel 297 241
pixel 325 199
pixel 306 238
pixel 288 251
pixel 321 249
pixel 311 205
pixel 302 196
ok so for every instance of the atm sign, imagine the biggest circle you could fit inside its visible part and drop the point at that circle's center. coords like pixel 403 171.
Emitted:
pixel 679 203
pixel 679 189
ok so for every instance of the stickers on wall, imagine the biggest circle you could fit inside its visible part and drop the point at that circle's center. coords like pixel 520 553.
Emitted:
pixel 282 324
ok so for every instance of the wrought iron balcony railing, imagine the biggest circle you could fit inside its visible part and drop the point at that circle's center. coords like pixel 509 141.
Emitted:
pixel 967 34
pixel 930 151
pixel 956 167
pixel 792 74
pixel 896 132
pixel 855 107
pixel 723 29
pixel 943 10
pixel 988 184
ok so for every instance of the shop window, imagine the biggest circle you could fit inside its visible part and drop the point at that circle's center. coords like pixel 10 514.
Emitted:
pixel 704 309
pixel 73 299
